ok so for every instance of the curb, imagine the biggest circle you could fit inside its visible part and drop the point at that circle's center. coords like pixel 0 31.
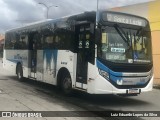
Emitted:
pixel 156 86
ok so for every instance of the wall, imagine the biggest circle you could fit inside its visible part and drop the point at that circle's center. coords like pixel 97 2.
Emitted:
pixel 154 18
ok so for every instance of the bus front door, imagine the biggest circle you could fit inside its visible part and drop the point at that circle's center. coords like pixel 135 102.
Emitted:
pixel 83 54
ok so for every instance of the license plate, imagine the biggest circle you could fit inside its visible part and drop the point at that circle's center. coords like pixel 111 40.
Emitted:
pixel 131 91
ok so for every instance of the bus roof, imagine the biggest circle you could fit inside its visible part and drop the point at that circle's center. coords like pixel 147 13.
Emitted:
pixel 90 16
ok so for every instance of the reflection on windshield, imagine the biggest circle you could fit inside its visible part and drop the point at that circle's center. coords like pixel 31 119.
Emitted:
pixel 125 45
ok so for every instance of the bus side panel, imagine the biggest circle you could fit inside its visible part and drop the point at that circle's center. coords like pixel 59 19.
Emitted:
pixel 67 59
pixel 40 65
pixel 12 57
pixel 7 63
pixel 49 66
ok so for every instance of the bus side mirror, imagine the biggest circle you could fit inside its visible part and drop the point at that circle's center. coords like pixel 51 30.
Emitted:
pixel 98 36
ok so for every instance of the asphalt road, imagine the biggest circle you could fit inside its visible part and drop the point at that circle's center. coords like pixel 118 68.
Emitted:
pixel 31 95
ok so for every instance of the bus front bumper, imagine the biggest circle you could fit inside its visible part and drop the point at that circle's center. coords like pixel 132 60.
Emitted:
pixel 101 86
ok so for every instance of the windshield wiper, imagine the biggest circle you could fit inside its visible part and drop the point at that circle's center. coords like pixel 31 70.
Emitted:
pixel 139 31
pixel 122 34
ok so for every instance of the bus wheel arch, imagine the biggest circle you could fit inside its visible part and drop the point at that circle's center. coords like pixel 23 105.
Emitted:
pixel 64 80
pixel 19 71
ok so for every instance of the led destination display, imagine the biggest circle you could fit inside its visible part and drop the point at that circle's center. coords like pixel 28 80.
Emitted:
pixel 125 19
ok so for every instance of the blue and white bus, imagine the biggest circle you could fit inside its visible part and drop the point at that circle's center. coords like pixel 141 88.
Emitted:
pixel 104 53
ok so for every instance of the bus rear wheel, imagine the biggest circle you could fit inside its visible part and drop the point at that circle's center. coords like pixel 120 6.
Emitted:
pixel 67 84
pixel 19 72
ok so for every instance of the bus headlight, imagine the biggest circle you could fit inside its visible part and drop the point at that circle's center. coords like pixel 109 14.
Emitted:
pixel 104 74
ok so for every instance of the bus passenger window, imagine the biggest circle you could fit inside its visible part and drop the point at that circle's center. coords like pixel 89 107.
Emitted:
pixel 57 41
pixel 23 42
pixel 49 42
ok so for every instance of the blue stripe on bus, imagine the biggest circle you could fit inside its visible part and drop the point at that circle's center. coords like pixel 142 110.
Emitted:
pixel 49 54
pixel 114 76
pixel 49 57
pixel 115 79
pixel 102 66
pixel 106 69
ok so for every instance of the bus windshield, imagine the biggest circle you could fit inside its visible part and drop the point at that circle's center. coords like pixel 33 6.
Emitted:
pixel 124 45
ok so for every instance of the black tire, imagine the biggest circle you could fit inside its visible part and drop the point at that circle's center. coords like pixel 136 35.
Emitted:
pixel 66 84
pixel 19 73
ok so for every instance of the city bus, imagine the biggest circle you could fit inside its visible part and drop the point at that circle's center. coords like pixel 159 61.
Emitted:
pixel 101 52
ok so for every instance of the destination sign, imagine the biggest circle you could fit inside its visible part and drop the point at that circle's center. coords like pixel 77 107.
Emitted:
pixel 125 19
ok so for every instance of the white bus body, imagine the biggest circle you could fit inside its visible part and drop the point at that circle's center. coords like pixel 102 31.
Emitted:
pixel 50 65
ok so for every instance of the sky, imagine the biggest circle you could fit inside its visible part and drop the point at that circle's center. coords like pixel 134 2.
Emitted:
pixel 16 13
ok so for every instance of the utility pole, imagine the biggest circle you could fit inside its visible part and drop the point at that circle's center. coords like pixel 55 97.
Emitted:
pixel 97 13
pixel 47 7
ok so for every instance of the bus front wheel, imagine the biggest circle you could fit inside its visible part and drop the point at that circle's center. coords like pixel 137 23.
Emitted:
pixel 19 72
pixel 67 84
